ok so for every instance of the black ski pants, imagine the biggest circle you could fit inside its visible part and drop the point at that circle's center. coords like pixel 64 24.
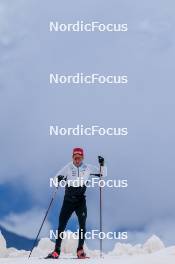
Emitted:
pixel 79 207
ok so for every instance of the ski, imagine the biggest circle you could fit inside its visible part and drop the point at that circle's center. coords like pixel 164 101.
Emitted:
pixel 67 258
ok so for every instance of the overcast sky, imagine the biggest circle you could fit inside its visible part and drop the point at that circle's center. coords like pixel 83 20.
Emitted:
pixel 28 106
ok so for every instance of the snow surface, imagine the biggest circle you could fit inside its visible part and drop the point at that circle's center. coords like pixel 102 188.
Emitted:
pixel 152 252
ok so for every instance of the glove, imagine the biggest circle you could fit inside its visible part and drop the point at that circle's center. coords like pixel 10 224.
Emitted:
pixel 60 178
pixel 101 160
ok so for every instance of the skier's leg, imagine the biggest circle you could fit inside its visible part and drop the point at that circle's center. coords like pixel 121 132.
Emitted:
pixel 81 212
pixel 66 212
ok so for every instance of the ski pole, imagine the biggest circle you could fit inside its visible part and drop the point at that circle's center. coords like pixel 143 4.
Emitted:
pixel 101 227
pixel 51 202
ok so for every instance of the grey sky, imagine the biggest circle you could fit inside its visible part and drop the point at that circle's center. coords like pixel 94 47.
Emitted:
pixel 28 53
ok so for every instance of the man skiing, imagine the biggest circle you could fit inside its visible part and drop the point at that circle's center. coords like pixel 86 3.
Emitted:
pixel 74 198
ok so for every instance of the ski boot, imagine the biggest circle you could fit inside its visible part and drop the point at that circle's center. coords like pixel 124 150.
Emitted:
pixel 81 254
pixel 54 255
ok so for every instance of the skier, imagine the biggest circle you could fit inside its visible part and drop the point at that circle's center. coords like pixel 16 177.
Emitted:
pixel 74 198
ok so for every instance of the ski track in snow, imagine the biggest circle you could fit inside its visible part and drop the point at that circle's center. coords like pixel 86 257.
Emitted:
pixel 144 259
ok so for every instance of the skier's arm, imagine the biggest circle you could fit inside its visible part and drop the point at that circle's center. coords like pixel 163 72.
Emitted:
pixel 61 174
pixel 96 171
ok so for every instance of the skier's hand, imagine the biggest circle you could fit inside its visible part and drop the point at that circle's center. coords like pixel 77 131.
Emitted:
pixel 60 178
pixel 101 160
